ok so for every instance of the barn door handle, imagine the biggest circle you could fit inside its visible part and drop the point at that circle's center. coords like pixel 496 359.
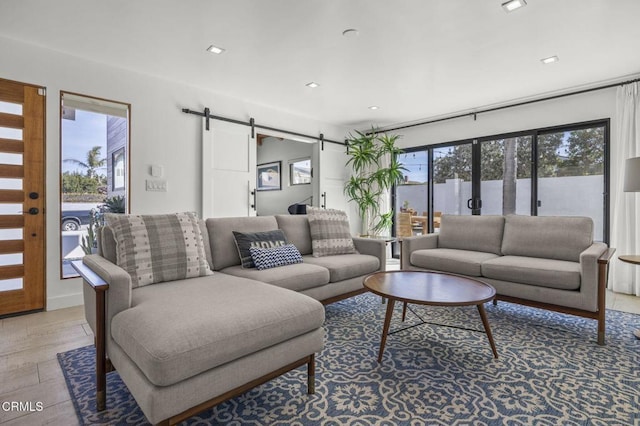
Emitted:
pixel 324 200
pixel 253 193
pixel 470 203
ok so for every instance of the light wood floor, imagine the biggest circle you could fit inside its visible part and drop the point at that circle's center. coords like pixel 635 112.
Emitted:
pixel 29 369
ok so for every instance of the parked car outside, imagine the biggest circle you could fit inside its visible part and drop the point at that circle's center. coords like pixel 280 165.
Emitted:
pixel 72 220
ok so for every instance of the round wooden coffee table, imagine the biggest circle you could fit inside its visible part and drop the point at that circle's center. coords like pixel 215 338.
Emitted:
pixel 430 288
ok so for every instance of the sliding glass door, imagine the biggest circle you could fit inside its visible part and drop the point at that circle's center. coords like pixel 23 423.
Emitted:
pixel 559 171
pixel 571 171
pixel 505 176
pixel 452 172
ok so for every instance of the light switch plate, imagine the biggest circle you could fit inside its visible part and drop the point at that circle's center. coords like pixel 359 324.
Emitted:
pixel 158 185
pixel 156 171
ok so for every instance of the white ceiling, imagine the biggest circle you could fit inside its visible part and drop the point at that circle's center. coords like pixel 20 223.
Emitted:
pixel 415 59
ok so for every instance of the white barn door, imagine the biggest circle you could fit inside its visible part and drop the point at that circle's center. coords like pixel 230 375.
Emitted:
pixel 333 174
pixel 228 170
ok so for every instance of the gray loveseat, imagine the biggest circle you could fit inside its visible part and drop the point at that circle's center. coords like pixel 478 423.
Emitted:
pixel 545 262
pixel 184 346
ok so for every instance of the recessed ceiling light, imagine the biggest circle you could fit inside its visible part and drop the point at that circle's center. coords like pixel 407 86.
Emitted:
pixel 351 32
pixel 312 84
pixel 374 107
pixel 550 59
pixel 512 5
pixel 215 49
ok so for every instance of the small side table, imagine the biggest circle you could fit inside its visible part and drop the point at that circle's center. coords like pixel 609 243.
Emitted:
pixel 635 260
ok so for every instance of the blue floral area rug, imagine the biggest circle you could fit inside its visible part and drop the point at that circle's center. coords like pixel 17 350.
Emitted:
pixel 550 371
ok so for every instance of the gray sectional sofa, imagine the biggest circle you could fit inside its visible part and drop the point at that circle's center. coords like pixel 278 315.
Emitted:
pixel 545 262
pixel 186 345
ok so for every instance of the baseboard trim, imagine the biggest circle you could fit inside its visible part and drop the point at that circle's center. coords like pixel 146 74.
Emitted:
pixel 64 301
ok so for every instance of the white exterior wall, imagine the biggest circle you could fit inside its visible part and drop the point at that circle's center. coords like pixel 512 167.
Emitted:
pixel 160 134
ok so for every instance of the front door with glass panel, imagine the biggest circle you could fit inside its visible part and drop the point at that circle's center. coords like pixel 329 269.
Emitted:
pixel 22 201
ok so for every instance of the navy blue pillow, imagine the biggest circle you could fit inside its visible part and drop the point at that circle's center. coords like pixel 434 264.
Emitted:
pixel 273 257
pixel 265 239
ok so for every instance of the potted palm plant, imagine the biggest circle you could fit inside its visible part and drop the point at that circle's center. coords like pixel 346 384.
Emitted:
pixel 374 159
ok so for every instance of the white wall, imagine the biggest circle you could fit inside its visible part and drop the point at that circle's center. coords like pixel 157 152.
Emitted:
pixel 160 134
pixel 274 149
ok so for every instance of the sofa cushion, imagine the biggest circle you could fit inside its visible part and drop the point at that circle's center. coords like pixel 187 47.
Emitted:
pixel 223 245
pixel 560 274
pixel 172 335
pixel 550 237
pixel 267 258
pixel 297 277
pixel 296 229
pixel 474 233
pixel 158 248
pixel 266 239
pixel 330 233
pixel 344 266
pixel 465 262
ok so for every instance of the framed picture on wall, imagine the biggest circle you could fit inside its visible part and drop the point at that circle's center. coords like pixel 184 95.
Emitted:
pixel 300 172
pixel 269 176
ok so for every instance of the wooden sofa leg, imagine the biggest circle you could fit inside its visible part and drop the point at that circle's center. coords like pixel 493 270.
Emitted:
pixel 311 375
pixel 603 275
pixel 101 361
pixel 495 302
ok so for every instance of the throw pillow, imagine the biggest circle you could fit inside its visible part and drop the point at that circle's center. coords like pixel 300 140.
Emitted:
pixel 330 233
pixel 265 239
pixel 265 258
pixel 157 248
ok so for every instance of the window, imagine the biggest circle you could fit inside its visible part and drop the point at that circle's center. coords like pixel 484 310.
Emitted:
pixel 94 139
pixel 300 172
pixel 559 171
pixel 118 180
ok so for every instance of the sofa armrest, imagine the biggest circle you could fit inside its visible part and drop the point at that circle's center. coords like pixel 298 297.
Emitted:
pixel 117 279
pixel 107 291
pixel 373 247
pixel 411 244
pixel 594 270
pixel 589 268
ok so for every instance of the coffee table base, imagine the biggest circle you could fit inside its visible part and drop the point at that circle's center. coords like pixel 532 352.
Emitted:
pixel 387 323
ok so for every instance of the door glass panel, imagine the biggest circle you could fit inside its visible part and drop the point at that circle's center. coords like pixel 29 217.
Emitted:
pixel 571 175
pixel 10 208
pixel 11 234
pixel 10 133
pixel 13 159
pixel 452 179
pixel 11 284
pixel 8 183
pixel 412 195
pixel 505 171
pixel 10 108
pixel 11 259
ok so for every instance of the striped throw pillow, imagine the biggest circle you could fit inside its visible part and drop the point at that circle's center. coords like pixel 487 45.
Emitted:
pixel 330 233
pixel 159 248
